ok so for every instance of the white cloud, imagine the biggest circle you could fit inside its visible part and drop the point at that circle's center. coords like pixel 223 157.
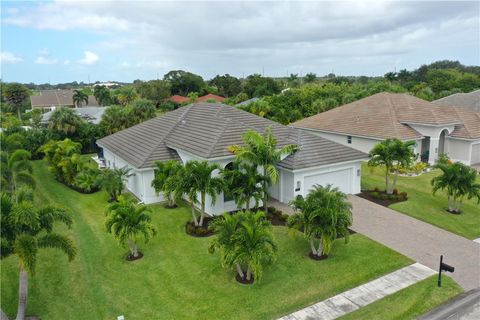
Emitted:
pixel 8 57
pixel 44 57
pixel 89 58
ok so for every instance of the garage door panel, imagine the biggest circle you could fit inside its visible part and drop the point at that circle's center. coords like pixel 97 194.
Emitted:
pixel 340 178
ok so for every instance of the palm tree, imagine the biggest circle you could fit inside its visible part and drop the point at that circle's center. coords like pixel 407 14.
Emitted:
pixel 166 180
pixel 79 96
pixel 29 229
pixel 16 170
pixel 87 179
pixel 15 94
pixel 127 221
pixel 261 150
pixel 390 153
pixel 459 181
pixel 126 95
pixel 323 215
pixel 113 180
pixel 65 120
pixel 245 240
pixel 64 158
pixel 114 119
pixel 244 183
pixel 102 94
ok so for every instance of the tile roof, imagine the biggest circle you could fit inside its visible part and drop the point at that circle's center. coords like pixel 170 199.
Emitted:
pixel 58 98
pixel 470 100
pixel 210 96
pixel 178 99
pixel 383 115
pixel 207 130
pixel 470 128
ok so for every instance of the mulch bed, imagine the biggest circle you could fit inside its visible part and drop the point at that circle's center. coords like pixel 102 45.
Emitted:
pixel 277 221
pixel 243 280
pixel 199 231
pixel 453 211
pixel 171 207
pixel 318 258
pixel 130 256
pixel 365 194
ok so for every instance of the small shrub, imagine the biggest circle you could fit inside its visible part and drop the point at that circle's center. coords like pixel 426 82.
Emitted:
pixel 384 196
pixel 271 210
pixel 375 194
pixel 285 217
pixel 376 189
pixel 395 191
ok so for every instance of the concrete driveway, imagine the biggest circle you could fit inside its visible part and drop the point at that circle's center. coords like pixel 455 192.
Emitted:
pixel 418 240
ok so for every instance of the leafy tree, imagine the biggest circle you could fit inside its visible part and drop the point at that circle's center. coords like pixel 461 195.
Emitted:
pixel 127 222
pixel 141 110
pixel 25 229
pixel 65 121
pixel 459 181
pixel 79 97
pixel 257 86
pixel 154 90
pixel 102 94
pixel 389 153
pixel 63 158
pixel 182 82
pixel 245 240
pixel 167 179
pixel 192 96
pixel 15 94
pixel 125 95
pixel 261 150
pixel 16 170
pixel 323 215
pixel 310 77
pixel 113 180
pixel 244 184
pixel 228 86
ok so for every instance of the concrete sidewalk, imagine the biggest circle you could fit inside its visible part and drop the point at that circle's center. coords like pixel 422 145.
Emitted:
pixel 418 240
pixel 363 295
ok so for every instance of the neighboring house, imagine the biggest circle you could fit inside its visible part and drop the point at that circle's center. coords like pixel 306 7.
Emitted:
pixel 454 131
pixel 470 100
pixel 247 102
pixel 210 97
pixel 90 114
pixel 49 99
pixel 205 131
pixel 178 99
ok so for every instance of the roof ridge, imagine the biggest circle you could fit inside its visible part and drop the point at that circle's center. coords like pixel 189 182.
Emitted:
pixel 467 127
pixel 393 115
pixel 166 134
pixel 225 125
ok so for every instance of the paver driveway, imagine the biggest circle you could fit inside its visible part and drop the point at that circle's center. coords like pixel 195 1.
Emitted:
pixel 418 240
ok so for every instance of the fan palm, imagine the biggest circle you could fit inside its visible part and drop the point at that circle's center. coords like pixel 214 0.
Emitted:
pixel 245 240
pixel 16 170
pixel 244 183
pixel 29 229
pixel 261 150
pixel 79 96
pixel 65 120
pixel 323 215
pixel 127 221
pixel 459 181
pixel 166 180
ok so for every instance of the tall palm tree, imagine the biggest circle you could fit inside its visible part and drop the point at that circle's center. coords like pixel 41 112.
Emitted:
pixel 29 229
pixel 245 240
pixel 65 120
pixel 323 214
pixel 244 183
pixel 128 221
pixel 16 170
pixel 79 96
pixel 404 157
pixel 459 181
pixel 102 94
pixel 166 180
pixel 113 180
pixel 261 150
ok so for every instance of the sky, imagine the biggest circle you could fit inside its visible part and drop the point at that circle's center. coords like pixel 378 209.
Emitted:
pixel 63 41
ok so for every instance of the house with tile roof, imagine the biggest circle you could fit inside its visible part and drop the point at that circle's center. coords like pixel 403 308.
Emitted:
pixel 51 99
pixel 469 100
pixel 210 97
pixel 204 131
pixel 451 130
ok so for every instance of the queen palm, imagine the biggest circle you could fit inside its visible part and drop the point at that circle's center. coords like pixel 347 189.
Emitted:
pixel 29 229
pixel 166 180
pixel 16 170
pixel 261 150
pixel 459 181
pixel 127 222
pixel 79 96
pixel 323 215
pixel 244 183
pixel 245 240
pixel 65 120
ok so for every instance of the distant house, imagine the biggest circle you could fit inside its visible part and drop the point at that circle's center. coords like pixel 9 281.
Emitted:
pixel 437 130
pixel 89 114
pixel 50 99
pixel 178 99
pixel 204 131
pixel 246 102
pixel 470 100
pixel 210 97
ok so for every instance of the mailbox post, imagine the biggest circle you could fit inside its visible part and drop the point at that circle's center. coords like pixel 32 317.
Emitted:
pixel 445 267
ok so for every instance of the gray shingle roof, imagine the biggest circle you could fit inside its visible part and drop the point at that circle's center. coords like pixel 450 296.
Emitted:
pixel 470 100
pixel 91 114
pixel 207 130
pixel 58 98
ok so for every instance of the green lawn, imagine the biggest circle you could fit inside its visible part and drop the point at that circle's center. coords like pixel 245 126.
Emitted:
pixel 426 207
pixel 410 302
pixel 177 278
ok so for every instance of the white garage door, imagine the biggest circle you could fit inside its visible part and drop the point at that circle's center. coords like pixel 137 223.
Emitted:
pixel 475 154
pixel 341 179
